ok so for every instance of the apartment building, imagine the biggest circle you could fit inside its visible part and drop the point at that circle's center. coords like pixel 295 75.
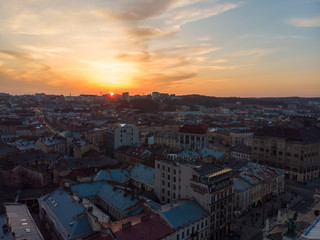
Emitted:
pixel 209 185
pixel 256 183
pixel 121 135
pixel 294 150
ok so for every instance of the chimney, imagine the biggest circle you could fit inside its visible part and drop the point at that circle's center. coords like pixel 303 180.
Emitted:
pixel 145 218
pixel 126 225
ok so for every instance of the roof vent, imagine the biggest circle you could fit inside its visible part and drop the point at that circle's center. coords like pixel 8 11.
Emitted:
pixel 126 225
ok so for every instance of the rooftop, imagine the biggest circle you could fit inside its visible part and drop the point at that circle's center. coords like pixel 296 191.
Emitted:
pixel 148 227
pixel 67 214
pixel 305 135
pixel 181 213
pixel 21 222
pixel 194 128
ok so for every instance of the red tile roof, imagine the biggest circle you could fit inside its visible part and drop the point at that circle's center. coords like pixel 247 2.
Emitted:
pixel 201 128
pixel 151 228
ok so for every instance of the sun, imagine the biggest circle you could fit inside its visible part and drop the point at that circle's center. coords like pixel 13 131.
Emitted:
pixel 111 94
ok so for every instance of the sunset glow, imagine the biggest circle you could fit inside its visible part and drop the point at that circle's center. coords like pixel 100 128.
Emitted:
pixel 216 48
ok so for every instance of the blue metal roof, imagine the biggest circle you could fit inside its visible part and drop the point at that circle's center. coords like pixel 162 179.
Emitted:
pixel 67 214
pixel 115 175
pixel 116 197
pixel 87 189
pixel 143 174
pixel 184 213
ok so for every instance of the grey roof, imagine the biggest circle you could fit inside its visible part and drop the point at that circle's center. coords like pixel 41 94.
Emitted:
pixel 21 222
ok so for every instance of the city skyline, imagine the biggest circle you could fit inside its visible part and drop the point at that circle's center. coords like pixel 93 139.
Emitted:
pixel 216 48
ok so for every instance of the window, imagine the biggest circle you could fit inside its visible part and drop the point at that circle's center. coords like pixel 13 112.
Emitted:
pixel 168 193
pixel 168 177
pixel 168 184
pixel 158 165
pixel 174 171
pixel 168 169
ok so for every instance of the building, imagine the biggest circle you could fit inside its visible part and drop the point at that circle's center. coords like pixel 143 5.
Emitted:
pixel 168 138
pixel 241 153
pixel 294 150
pixel 22 225
pixel 188 218
pixel 142 178
pixel 52 144
pixel 255 184
pixel 193 136
pixel 64 217
pixel 96 136
pixel 313 231
pixel 121 135
pixel 144 226
pixel 209 185
pixel 133 155
pixel 240 137
pixel 116 202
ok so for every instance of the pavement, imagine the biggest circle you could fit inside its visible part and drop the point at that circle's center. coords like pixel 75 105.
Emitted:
pixel 297 197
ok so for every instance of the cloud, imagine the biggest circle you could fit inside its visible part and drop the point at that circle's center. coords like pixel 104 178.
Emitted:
pixel 193 13
pixel 138 10
pixel 16 54
pixel 305 22
pixel 161 79
pixel 253 52
pixel 142 56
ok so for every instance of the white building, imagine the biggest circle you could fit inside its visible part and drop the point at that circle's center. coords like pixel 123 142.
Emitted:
pixel 209 185
pixel 121 135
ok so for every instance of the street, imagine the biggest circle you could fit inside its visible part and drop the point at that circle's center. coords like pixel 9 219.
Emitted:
pixel 297 197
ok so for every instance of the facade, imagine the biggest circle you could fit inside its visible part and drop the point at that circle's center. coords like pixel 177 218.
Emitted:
pixel 168 138
pixel 241 153
pixel 96 136
pixel 209 185
pixel 256 183
pixel 240 137
pixel 121 135
pixel 294 150
pixel 193 136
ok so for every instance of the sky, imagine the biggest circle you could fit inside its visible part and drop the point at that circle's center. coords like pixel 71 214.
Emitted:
pixel 248 48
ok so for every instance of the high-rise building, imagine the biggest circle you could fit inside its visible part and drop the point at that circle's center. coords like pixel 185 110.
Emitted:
pixel 125 96
pixel 209 185
pixel 294 150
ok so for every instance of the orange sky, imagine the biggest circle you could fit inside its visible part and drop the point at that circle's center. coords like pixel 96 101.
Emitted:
pixel 217 48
